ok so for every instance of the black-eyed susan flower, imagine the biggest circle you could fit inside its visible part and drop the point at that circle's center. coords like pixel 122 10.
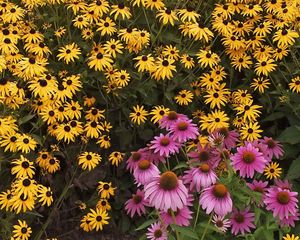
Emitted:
pixel 25 143
pixel 99 61
pixel 104 142
pixel 45 195
pixel 89 160
pixel 214 120
pixel 116 158
pixel 113 47
pixel 206 58
pixel 188 15
pixel 158 112
pixel 249 111
pixel 164 69
pixel 272 171
pixel 20 203
pixel 5 200
pixel 103 204
pixel 187 61
pixel 60 32
pixel 139 115
pixel 106 190
pixel 217 97
pixel 264 66
pixel 97 218
pixel 22 167
pixel 69 53
pixel 285 37
pixel 52 165
pixel 154 4
pixel 122 78
pixel 106 27
pixel 260 84
pixel 120 10
pixel 184 97
pixel 93 129
pixel 294 85
pixel 250 131
pixel 167 16
pixel 145 63
pixel 22 230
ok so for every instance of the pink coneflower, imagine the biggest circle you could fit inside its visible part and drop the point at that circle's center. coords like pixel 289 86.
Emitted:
pixel 164 145
pixel 248 160
pixel 216 139
pixel 216 198
pixel 203 176
pixel 181 217
pixel 242 221
pixel 144 172
pixel 221 223
pixel 135 157
pixel 259 186
pixel 274 147
pixel 282 202
pixel 166 191
pixel 290 221
pixel 136 204
pixel 261 148
pixel 168 120
pixel 283 184
pixel 230 137
pixel 219 154
pixel 201 154
pixel 187 178
pixel 183 130
pixel 157 232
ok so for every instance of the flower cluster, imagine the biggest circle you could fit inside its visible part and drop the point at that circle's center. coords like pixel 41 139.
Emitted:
pixel 208 180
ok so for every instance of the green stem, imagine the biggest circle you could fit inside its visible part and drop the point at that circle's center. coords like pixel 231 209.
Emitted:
pixel 197 215
pixel 159 31
pixel 206 227
pixel 57 203
pixel 174 221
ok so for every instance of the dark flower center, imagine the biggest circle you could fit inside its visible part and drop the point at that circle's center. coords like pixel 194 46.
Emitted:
pixel 23 230
pixel 26 182
pixel 283 197
pixel 248 157
pixel 172 115
pixel 203 156
pixel 239 218
pixel 165 141
pixel 137 198
pixel 220 190
pixel 182 126
pixel 25 164
pixel 136 156
pixel 144 164
pixel 168 181
pixel 204 168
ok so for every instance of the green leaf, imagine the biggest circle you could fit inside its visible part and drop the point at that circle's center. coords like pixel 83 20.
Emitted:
pixel 186 231
pixel 290 135
pixel 180 165
pixel 145 224
pixel 26 119
pixel 274 116
pixel 294 170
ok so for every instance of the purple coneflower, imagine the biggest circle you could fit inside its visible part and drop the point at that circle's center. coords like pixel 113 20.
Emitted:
pixel 216 139
pixel 201 154
pixel 216 198
pixel 259 186
pixel 181 217
pixel 261 148
pixel 157 232
pixel 242 221
pixel 136 204
pixel 221 223
pixel 248 160
pixel 274 147
pixel 166 191
pixel 230 137
pixel 290 221
pixel 183 130
pixel 134 159
pixel 283 184
pixel 203 176
pixel 144 172
pixel 164 145
pixel 282 202
pixel 168 120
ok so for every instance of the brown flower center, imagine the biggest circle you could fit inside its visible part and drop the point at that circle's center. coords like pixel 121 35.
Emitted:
pixel 239 218
pixel 220 190
pixel 136 198
pixel 248 157
pixel 168 181
pixel 164 141
pixel 283 197
pixel 204 168
pixel 182 126
pixel 172 115
pixel 144 164
pixel 136 156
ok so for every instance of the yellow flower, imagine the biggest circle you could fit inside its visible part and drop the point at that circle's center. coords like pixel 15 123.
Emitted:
pixel 184 97
pixel 69 53
pixel 138 115
pixel 21 230
pixel 272 171
pixel 106 190
pixel 295 84
pixel 158 112
pixel 116 157
pixel 291 237
pixel 250 131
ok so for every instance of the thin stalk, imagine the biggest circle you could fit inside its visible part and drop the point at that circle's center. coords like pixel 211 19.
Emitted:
pixel 57 203
pixel 197 215
pixel 174 221
pixel 206 227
